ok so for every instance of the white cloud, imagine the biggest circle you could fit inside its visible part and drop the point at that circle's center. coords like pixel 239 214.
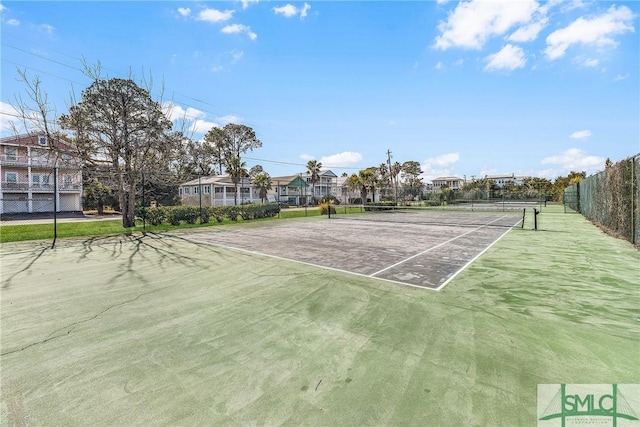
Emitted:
pixel 236 55
pixel 214 15
pixel 239 29
pixel 176 112
pixel 574 159
pixel 589 62
pixel 597 31
pixel 304 10
pixel 246 3
pixel 344 159
pixel 184 11
pixel 13 22
pixel 8 118
pixel 581 134
pixel 438 166
pixel 49 29
pixel 202 126
pixel 509 58
pixel 229 118
pixel 191 118
pixel 621 77
pixel 289 10
pixel 439 66
pixel 528 32
pixel 473 22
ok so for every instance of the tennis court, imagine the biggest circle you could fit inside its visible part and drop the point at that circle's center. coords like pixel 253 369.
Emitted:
pixel 164 329
pixel 415 248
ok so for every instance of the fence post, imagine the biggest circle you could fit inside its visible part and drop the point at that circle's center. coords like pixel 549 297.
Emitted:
pixel 55 206
pixel 634 201
pixel 144 206
pixel 200 196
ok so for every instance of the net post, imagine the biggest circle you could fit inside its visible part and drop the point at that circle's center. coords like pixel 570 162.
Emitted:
pixel 524 212
pixel 535 218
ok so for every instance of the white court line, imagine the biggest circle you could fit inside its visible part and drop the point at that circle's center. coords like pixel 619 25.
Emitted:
pixel 371 276
pixel 446 282
pixel 397 282
pixel 435 247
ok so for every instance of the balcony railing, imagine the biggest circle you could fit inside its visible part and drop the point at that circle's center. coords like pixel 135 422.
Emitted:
pixel 10 160
pixel 22 187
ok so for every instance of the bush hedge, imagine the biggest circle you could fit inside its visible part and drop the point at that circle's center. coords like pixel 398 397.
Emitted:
pixel 175 215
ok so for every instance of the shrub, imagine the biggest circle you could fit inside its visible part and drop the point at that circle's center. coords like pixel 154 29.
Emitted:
pixel 380 206
pixel 205 215
pixel 329 199
pixel 174 215
pixel 155 216
pixel 326 208
pixel 218 213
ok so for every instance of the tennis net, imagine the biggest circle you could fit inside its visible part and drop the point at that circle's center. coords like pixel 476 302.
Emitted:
pixel 431 215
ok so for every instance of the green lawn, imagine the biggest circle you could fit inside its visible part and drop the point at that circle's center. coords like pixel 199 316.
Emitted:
pixel 157 330
pixel 35 231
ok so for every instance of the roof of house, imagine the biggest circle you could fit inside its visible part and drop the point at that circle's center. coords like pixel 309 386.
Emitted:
pixel 33 140
pixel 216 179
pixel 329 173
pixel 501 176
pixel 447 178
pixel 289 180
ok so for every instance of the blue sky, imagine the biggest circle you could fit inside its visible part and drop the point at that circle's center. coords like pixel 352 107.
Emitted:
pixel 465 88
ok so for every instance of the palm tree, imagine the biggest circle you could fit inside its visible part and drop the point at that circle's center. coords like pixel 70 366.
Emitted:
pixel 263 182
pixel 367 181
pixel 354 183
pixel 237 170
pixel 313 169
pixel 395 171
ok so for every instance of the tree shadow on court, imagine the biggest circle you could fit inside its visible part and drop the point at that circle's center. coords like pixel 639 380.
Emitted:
pixel 29 262
pixel 158 248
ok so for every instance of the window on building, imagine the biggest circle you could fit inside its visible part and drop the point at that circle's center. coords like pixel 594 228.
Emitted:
pixel 218 190
pixel 11 177
pixel 42 140
pixel 207 189
pixel 180 191
pixel 35 180
pixel 67 181
pixel 11 153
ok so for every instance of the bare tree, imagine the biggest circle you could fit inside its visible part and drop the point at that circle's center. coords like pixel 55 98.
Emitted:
pixel 116 122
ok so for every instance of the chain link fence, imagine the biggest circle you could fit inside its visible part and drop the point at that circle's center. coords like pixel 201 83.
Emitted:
pixel 610 199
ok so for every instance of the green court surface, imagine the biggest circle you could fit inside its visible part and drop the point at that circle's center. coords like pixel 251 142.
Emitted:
pixel 164 330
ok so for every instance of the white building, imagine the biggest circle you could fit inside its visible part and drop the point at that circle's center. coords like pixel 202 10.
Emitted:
pixel 38 174
pixel 452 182
pixel 218 191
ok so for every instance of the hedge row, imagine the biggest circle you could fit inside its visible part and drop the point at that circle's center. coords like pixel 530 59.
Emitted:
pixel 190 214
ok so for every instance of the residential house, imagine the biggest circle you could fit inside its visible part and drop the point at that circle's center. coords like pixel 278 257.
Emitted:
pixel 503 179
pixel 218 190
pixel 291 190
pixel 326 185
pixel 37 173
pixel 452 182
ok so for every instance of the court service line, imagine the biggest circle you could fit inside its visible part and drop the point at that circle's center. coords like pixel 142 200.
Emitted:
pixel 461 269
pixel 434 247
pixel 235 248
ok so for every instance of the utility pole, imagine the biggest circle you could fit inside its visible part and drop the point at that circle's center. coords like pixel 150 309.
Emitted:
pixel 391 176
